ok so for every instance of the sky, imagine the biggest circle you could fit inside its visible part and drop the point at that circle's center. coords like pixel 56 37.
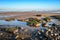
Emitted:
pixel 28 5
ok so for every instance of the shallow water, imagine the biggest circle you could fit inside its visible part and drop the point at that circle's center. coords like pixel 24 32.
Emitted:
pixel 13 23
pixel 56 21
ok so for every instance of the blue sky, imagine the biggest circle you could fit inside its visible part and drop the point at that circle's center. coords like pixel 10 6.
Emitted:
pixel 29 5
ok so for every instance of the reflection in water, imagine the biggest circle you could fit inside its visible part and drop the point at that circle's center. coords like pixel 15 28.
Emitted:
pixel 14 22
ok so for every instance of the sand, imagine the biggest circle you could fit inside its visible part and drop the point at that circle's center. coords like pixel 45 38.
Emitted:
pixel 24 15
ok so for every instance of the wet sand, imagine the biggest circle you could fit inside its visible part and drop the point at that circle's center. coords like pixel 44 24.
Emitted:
pixel 24 15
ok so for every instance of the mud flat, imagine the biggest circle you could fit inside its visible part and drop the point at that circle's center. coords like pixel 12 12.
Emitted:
pixel 24 15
